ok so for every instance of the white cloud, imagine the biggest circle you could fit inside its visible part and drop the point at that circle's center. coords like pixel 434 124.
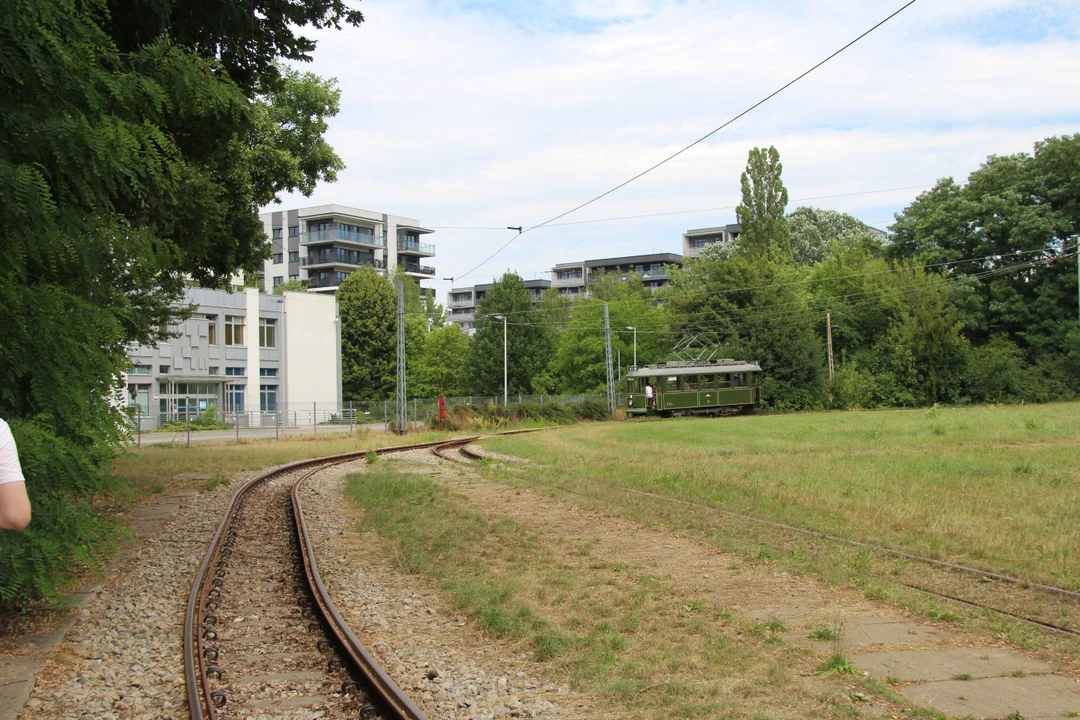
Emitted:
pixel 484 117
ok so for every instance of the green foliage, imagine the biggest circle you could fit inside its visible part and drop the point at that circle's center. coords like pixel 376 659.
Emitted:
pixel 764 230
pixel 291 286
pixel 131 163
pixel 66 535
pixel 1014 204
pixel 442 363
pixel 814 231
pixel 529 343
pixel 367 304
pixel 579 364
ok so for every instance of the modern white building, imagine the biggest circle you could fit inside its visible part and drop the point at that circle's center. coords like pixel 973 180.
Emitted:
pixel 325 243
pixel 463 302
pixel 247 354
pixel 695 241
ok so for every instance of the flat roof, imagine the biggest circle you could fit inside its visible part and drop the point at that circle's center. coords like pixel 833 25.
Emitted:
pixel 704 368
pixel 668 258
pixel 732 227
pixel 539 283
pixel 414 228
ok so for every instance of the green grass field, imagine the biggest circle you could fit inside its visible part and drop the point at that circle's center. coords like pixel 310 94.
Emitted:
pixel 993 487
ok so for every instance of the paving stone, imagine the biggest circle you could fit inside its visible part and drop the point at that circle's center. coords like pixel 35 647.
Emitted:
pixel 1036 698
pixel 16 683
pixel 934 665
pixel 863 631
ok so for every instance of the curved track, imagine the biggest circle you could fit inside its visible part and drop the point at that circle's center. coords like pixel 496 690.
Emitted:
pixel 287 647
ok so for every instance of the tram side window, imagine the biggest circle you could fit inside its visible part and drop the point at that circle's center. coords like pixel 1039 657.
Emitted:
pixel 739 380
pixel 671 382
pixel 723 381
pixel 707 382
pixel 689 382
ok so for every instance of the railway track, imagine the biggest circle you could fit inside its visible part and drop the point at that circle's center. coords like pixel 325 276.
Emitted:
pixel 286 649
pixel 462 453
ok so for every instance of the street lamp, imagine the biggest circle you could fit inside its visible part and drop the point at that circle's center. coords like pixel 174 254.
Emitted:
pixel 503 318
pixel 631 327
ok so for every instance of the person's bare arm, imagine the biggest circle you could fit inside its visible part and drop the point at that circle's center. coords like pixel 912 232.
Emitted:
pixel 14 506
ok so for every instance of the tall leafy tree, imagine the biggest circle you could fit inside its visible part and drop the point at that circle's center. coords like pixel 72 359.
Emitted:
pixel 442 364
pixel 1014 210
pixel 764 199
pixel 367 305
pixel 580 361
pixel 813 231
pixel 529 343
pixel 124 171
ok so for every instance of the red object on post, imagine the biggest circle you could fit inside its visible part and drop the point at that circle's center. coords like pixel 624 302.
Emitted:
pixel 442 408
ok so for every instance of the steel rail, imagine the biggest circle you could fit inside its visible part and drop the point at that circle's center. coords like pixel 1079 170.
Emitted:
pixel 999 577
pixel 200 704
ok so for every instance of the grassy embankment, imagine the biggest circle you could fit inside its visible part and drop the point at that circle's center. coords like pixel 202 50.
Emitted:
pixel 997 488
pixel 154 467
pixel 638 645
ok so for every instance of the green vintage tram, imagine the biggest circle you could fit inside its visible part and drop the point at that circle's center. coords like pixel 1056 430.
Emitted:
pixel 713 387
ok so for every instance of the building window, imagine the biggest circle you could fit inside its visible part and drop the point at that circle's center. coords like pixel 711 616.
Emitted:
pixel 294 256
pixel 234 330
pixel 214 370
pixel 268 372
pixel 234 371
pixel 163 369
pixel 568 274
pixel 234 398
pixel 268 398
pixel 278 279
pixel 276 233
pixel 211 329
pixel 267 333
pixel 139 370
pixel 278 258
pixel 294 231
pixel 139 396
pixel 294 277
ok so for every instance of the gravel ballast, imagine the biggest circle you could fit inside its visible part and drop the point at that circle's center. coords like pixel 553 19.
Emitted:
pixel 446 665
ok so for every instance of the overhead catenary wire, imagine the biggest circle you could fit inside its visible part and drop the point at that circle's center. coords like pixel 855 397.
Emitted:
pixel 678 212
pixel 700 140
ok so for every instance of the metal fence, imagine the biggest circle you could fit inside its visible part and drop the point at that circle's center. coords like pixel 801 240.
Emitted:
pixel 184 424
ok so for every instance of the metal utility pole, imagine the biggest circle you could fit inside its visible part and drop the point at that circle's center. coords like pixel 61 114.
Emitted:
pixel 632 327
pixel 610 372
pixel 828 329
pixel 401 405
pixel 503 318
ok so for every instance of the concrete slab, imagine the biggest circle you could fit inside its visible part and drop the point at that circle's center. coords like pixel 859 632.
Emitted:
pixel 935 665
pixel 864 631
pixel 16 683
pixel 1041 697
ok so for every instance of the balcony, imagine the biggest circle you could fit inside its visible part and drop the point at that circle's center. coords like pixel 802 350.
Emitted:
pixel 335 235
pixel 330 281
pixel 414 247
pixel 327 260
pixel 660 274
pixel 575 281
pixel 465 301
pixel 419 269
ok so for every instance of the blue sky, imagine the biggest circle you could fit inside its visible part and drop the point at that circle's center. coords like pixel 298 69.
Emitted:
pixel 487 113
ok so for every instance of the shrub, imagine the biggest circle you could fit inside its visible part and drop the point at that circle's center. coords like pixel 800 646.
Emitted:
pixel 65 535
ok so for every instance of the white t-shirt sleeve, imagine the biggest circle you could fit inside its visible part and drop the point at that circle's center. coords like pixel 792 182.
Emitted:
pixel 10 469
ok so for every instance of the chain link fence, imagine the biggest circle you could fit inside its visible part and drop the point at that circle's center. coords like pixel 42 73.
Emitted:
pixel 186 424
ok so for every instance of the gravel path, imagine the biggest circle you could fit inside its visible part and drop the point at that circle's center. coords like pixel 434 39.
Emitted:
pixel 442 662
pixel 124 656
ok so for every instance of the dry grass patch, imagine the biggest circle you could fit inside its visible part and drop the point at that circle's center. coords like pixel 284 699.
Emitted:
pixel 650 649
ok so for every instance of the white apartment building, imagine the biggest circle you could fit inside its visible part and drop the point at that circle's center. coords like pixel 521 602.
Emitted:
pixel 463 302
pixel 325 243
pixel 695 241
pixel 248 354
